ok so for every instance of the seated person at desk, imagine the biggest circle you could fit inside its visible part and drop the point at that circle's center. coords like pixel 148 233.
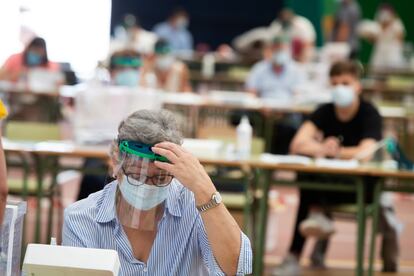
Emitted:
pixel 33 56
pixel 341 129
pixel 276 79
pixel 163 71
pixel 162 213
pixel 175 31
pixel 124 68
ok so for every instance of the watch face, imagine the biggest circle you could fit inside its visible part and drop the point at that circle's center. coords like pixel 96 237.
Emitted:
pixel 217 198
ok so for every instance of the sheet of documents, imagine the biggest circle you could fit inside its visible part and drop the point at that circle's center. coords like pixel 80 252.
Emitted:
pixel 337 163
pixel 285 159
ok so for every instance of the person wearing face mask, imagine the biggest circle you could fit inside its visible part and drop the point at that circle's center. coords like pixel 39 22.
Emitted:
pixel 162 214
pixel 33 56
pixel 175 31
pixel 341 129
pixel 163 71
pixel 124 68
pixel 388 43
pixel 301 32
pixel 276 78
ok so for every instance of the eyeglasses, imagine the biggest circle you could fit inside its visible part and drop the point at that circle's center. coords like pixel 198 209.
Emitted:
pixel 160 180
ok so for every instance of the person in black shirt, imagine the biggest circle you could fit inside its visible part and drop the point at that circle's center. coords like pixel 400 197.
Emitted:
pixel 341 129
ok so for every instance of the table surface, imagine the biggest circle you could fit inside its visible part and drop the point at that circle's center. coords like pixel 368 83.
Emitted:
pixel 69 149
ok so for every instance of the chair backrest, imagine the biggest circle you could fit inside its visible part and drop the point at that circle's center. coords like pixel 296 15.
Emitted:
pixel 32 131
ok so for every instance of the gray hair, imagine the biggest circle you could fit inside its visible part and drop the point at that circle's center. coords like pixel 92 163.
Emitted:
pixel 145 126
pixel 150 127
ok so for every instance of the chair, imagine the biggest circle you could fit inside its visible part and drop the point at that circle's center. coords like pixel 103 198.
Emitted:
pixel 33 132
pixel 240 198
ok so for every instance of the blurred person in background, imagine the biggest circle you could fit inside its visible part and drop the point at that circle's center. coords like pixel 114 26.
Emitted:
pixel 33 56
pixel 163 71
pixel 388 43
pixel 124 69
pixel 175 31
pixel 130 35
pixel 300 31
pixel 276 79
pixel 346 21
pixel 277 76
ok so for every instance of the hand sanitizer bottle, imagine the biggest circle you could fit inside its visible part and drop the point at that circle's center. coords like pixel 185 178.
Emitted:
pixel 244 138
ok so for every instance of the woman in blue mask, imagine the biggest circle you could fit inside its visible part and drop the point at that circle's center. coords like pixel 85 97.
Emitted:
pixel 33 56
pixel 162 214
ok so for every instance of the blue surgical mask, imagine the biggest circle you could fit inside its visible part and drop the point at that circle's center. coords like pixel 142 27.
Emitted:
pixel 343 95
pixel 33 59
pixel 143 196
pixel 280 58
pixel 128 77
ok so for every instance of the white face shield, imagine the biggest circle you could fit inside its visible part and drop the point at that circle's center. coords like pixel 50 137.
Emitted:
pixel 143 188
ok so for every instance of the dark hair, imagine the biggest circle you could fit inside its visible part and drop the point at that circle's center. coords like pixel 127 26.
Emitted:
pixel 127 54
pixel 162 46
pixel 37 42
pixel 346 67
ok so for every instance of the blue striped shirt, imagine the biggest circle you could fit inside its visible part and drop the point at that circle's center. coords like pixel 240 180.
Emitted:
pixel 181 246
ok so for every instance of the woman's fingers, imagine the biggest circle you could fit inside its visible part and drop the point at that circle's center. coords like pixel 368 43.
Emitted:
pixel 172 157
pixel 176 149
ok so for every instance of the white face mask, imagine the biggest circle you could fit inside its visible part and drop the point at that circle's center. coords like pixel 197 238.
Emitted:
pixel 182 23
pixel 164 62
pixel 384 16
pixel 280 58
pixel 343 95
pixel 143 196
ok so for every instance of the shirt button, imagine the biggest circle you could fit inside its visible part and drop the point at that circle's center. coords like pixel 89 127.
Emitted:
pixel 145 269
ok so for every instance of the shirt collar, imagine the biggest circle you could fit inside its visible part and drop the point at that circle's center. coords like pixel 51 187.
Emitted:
pixel 107 210
pixel 173 202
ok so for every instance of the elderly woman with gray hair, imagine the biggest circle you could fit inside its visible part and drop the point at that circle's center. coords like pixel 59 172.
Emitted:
pixel 162 214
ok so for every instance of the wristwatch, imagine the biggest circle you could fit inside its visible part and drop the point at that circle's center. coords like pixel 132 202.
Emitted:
pixel 214 201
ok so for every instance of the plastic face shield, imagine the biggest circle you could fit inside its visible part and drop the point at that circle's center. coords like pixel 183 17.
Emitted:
pixel 143 187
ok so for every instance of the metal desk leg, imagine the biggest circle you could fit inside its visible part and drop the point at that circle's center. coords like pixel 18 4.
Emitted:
pixel 375 221
pixel 54 169
pixel 39 178
pixel 261 224
pixel 361 227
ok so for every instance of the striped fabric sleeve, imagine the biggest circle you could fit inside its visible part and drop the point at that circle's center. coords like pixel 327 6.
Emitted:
pixel 70 236
pixel 245 262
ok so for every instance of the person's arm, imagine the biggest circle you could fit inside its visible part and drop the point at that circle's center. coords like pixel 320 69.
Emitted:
pixel 224 235
pixel 306 141
pixel 350 152
pixel 185 85
pixel 3 182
